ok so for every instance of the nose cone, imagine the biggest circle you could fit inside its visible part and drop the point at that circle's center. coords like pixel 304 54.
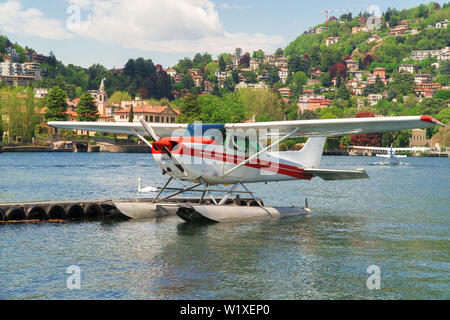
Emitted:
pixel 159 145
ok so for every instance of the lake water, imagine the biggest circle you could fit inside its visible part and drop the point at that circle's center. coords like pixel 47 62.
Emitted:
pixel 397 220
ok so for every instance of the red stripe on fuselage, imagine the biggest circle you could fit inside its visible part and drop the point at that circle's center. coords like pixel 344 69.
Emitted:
pixel 275 167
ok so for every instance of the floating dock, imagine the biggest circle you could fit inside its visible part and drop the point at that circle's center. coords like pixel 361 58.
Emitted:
pixel 187 208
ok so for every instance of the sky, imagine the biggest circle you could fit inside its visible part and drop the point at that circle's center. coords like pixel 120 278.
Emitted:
pixel 109 32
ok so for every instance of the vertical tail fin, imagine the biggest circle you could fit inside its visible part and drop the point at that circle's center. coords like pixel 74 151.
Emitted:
pixel 309 155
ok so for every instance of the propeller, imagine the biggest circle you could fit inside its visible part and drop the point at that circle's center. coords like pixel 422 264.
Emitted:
pixel 149 129
pixel 155 137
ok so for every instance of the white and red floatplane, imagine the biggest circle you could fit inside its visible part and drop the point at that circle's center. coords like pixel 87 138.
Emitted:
pixel 236 154
pixel 390 153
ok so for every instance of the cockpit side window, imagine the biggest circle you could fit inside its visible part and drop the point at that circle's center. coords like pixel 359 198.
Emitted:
pixel 244 144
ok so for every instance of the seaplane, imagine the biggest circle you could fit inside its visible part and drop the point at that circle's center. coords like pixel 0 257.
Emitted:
pixel 391 157
pixel 210 157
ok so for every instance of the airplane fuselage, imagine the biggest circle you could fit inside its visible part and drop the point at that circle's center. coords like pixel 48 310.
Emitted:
pixel 204 158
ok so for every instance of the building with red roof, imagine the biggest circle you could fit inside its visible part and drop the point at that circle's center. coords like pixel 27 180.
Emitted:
pixel 158 114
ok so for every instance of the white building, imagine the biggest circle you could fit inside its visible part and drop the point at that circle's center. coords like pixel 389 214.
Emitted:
pixel 172 72
pixel 331 40
pixel 259 85
pixel 374 37
pixel 12 53
pixel 442 24
pixel 222 74
pixel 374 98
pixel 441 54
pixel 351 65
pixel 40 93
pixel 254 64
pixel 283 74
pixel 410 68
pixel 9 68
pixel 422 78
pixel 281 62
pixel 235 61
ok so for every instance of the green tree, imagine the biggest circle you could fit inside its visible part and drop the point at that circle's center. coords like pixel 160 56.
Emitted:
pixel 325 79
pixel 300 78
pixel 397 139
pixel 184 65
pixel 131 114
pixel 222 63
pixel 379 84
pixel 190 110
pixel 211 68
pixel 343 92
pixel 258 54
pixel 442 94
pixel 18 112
pixel 273 76
pixel 119 96
pixel 56 105
pixel 87 110
pixel 430 106
pixel 403 83
pixel 197 61
pixel 444 115
pixel 228 84
pixel 309 115
pixel 216 110
pixel 250 76
pixel 338 79
pixel 226 57
pixel 444 67
pixel 263 103
pixel 187 81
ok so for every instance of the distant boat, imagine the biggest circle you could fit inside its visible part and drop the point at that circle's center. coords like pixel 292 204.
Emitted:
pixel 390 153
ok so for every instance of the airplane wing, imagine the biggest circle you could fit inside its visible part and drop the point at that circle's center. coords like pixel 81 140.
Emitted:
pixel 161 129
pixel 305 128
pixel 339 127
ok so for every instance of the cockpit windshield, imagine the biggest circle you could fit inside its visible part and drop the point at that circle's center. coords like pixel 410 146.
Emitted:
pixel 215 131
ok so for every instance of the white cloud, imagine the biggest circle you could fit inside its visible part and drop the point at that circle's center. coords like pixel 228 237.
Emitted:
pixel 15 20
pixel 83 4
pixel 233 6
pixel 166 26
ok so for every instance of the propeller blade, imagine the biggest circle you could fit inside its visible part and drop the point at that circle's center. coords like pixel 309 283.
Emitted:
pixel 175 162
pixel 149 129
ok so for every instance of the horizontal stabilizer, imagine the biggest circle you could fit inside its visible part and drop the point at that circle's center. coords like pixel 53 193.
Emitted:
pixel 330 174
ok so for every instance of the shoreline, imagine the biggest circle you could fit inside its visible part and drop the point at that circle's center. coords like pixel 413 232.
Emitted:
pixel 145 149
pixel 80 148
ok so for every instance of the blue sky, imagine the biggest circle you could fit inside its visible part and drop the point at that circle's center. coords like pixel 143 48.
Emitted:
pixel 111 32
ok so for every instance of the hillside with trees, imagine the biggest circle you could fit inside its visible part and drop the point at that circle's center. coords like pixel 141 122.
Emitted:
pixel 244 86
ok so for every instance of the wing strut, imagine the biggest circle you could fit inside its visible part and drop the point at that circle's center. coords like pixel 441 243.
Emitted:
pixel 258 153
